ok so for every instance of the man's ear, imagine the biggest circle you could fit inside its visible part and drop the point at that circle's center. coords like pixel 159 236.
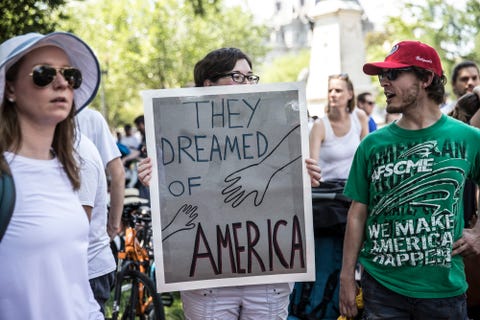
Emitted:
pixel 207 83
pixel 429 80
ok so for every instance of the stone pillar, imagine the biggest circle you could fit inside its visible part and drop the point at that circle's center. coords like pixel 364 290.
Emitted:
pixel 337 47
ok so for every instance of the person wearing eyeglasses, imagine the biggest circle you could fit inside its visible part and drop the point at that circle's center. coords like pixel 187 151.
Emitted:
pixel 44 81
pixel 231 66
pixel 405 224
pixel 333 141
pixel 366 103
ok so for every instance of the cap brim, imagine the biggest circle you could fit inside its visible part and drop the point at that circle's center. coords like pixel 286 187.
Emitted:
pixel 79 53
pixel 375 68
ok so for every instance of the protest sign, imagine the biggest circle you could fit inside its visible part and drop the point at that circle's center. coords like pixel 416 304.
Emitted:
pixel 230 194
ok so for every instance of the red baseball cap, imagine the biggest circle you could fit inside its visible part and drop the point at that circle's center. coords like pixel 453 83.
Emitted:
pixel 408 54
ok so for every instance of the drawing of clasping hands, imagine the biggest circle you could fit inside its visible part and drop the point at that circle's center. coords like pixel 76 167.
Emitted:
pixel 183 220
pixel 237 191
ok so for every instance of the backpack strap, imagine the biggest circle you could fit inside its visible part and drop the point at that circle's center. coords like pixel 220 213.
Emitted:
pixel 298 309
pixel 7 200
pixel 328 292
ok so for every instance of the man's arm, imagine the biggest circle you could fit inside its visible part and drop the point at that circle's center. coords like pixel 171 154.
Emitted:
pixel 353 242
pixel 116 172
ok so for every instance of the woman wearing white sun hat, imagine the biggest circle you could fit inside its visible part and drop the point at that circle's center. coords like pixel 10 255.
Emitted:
pixel 44 81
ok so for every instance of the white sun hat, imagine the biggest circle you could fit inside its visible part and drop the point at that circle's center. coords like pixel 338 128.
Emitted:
pixel 81 56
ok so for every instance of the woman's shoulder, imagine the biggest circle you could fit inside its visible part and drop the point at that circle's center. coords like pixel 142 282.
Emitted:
pixel 361 115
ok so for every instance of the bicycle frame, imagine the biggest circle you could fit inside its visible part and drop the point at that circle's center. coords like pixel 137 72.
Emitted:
pixel 135 256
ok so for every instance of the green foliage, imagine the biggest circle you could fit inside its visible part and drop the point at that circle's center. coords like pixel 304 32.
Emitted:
pixel 23 16
pixel 146 44
pixel 175 311
pixel 451 30
pixel 286 68
pixel 199 6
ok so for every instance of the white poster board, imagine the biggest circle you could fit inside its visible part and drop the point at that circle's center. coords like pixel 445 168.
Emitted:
pixel 230 194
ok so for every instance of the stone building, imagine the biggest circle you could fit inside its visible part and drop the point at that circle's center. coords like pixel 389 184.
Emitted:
pixel 334 30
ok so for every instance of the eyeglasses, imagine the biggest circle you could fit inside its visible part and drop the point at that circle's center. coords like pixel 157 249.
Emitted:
pixel 239 77
pixel 42 76
pixel 392 74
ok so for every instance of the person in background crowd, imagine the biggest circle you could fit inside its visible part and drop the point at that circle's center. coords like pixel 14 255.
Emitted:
pixel 467 107
pixel 475 119
pixel 335 137
pixel 406 281
pixel 44 81
pixel 92 124
pixel 93 196
pixel 366 103
pixel 140 124
pixel 333 141
pixel 465 76
pixel 137 155
pixel 129 139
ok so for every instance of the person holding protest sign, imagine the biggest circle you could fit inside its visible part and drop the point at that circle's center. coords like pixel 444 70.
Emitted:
pixel 405 225
pixel 230 66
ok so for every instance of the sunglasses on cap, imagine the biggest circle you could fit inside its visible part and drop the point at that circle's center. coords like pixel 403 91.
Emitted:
pixel 392 74
pixel 42 76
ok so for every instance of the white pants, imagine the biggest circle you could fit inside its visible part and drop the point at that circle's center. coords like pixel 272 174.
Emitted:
pixel 265 302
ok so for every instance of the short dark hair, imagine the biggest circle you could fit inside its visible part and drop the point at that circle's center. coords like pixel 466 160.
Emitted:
pixel 460 66
pixel 361 97
pixel 138 120
pixel 217 62
pixel 436 89
pixel 466 107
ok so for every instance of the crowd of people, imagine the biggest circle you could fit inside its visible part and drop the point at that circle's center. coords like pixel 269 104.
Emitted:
pixel 413 184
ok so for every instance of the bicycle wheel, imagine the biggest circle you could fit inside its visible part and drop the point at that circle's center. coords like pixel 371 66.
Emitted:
pixel 136 298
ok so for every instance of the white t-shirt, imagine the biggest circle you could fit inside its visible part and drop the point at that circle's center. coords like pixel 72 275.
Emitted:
pixel 131 142
pixel 43 255
pixel 92 124
pixel 93 193
pixel 336 153
pixel 448 107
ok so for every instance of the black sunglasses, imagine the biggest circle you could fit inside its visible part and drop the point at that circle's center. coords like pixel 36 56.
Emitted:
pixel 392 74
pixel 42 75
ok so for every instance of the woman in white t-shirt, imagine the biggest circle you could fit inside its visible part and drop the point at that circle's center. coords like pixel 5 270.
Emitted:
pixel 44 81
pixel 333 142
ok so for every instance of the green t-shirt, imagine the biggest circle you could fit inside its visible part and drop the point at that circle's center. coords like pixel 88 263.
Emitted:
pixel 412 182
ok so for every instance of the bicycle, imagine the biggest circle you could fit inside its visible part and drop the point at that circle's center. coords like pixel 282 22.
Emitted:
pixel 135 295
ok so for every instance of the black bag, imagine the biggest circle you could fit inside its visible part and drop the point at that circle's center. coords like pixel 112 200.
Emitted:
pixel 330 207
pixel 7 199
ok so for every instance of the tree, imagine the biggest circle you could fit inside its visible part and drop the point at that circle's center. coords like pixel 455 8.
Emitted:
pixel 23 16
pixel 449 28
pixel 286 68
pixel 154 44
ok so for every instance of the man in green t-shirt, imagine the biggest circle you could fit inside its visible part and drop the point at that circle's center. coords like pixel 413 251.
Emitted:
pixel 406 183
